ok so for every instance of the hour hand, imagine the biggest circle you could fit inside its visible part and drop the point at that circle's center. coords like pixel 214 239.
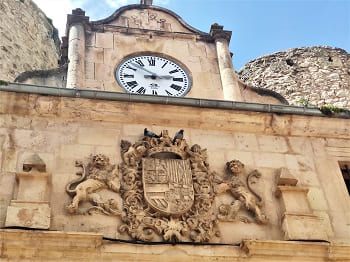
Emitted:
pixel 150 76
pixel 157 76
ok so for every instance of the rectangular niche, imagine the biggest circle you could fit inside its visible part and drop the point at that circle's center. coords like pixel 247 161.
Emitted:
pixel 345 170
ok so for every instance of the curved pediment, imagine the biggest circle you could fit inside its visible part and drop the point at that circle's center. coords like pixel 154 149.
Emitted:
pixel 149 18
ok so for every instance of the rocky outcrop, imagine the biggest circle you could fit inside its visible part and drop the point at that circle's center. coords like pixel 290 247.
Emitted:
pixel 304 76
pixel 29 41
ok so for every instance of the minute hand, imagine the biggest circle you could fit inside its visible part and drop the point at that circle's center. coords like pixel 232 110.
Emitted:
pixel 144 69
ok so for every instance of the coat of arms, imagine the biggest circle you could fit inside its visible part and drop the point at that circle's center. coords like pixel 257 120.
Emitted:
pixel 168 185
pixel 168 190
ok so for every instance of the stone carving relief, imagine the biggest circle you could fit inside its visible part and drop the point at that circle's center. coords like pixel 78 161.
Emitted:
pixel 168 190
pixel 146 19
pixel 165 194
pixel 97 174
pixel 244 195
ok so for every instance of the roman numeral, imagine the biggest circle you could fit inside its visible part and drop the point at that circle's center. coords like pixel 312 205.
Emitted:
pixel 176 87
pixel 173 71
pixel 165 64
pixel 151 61
pixel 128 76
pixel 154 92
pixel 132 84
pixel 131 68
pixel 178 79
pixel 139 62
pixel 170 94
pixel 142 90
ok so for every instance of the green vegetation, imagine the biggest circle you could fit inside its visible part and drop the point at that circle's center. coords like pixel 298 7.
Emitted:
pixel 3 83
pixel 305 102
pixel 325 109
pixel 330 110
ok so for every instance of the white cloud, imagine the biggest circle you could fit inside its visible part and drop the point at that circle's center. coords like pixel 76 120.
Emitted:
pixel 57 10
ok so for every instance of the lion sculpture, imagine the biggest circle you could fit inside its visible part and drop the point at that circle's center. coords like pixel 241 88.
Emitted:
pixel 248 198
pixel 97 174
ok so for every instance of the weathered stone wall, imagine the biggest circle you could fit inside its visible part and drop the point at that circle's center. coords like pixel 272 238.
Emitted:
pixel 61 130
pixel 313 75
pixel 28 39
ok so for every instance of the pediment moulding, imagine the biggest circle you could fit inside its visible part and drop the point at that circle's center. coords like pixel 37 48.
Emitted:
pixel 137 16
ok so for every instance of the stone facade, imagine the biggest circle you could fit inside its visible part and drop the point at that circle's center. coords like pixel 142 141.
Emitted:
pixel 314 206
pixel 95 49
pixel 304 76
pixel 111 176
pixel 29 41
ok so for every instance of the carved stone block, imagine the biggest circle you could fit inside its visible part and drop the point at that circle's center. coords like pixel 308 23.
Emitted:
pixel 298 222
pixel 303 227
pixel 294 199
pixel 32 186
pixel 31 208
pixel 25 214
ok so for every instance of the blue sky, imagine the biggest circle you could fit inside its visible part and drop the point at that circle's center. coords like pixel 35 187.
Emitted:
pixel 258 27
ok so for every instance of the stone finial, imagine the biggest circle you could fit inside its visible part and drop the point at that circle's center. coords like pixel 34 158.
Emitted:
pixel 216 26
pixel 77 16
pixel 146 2
pixel 34 162
pixel 78 11
pixel 217 32
pixel 285 178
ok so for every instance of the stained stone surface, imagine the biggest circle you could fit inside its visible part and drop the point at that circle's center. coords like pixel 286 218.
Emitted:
pixel 307 75
pixel 28 39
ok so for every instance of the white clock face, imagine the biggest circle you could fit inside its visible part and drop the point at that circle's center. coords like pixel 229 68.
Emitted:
pixel 153 75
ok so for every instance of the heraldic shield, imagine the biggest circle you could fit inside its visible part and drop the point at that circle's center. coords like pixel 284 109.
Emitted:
pixel 168 185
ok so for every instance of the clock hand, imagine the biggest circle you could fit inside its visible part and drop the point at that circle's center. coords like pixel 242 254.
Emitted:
pixel 157 76
pixel 165 77
pixel 144 69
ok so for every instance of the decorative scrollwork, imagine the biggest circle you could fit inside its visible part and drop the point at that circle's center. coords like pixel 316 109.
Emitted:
pixel 169 193
pixel 168 190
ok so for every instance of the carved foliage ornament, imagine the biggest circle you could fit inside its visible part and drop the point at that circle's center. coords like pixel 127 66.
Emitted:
pixel 168 190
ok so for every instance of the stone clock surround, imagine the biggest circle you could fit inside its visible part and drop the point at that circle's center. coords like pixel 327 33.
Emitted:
pixel 104 51
pixel 95 49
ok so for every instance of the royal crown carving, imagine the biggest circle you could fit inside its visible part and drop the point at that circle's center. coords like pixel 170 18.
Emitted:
pixel 168 190
pixel 146 20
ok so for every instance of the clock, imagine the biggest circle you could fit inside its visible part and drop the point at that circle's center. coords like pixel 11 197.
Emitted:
pixel 153 75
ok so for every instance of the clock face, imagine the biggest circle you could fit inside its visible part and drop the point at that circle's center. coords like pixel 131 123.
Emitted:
pixel 153 75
